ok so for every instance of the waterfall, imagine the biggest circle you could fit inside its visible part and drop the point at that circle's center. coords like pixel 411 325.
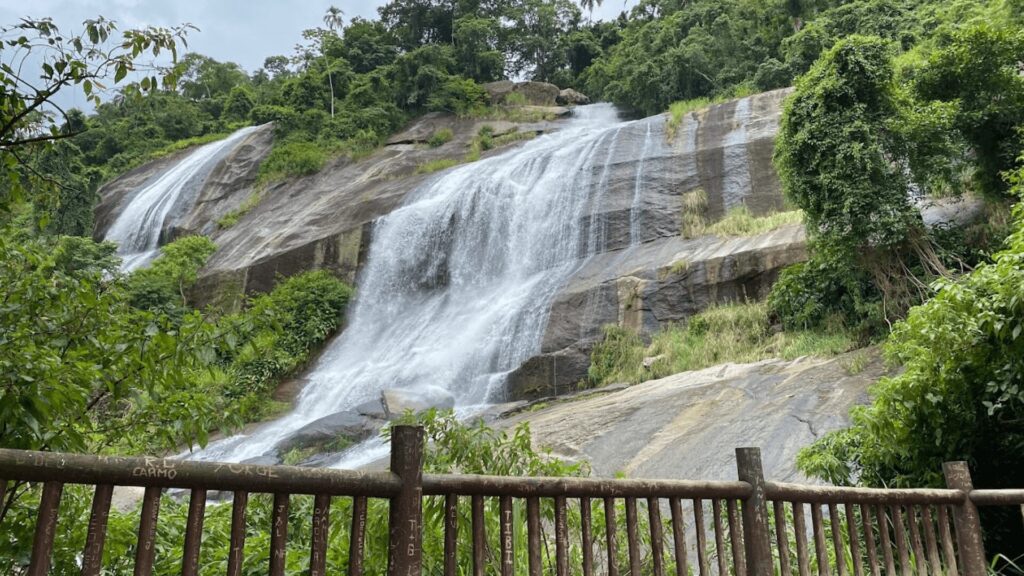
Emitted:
pixel 458 283
pixel 139 225
pixel 638 190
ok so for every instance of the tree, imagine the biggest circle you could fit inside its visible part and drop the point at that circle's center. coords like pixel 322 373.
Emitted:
pixel 960 395
pixel 29 116
pixel 333 21
pixel 843 157
pixel 979 73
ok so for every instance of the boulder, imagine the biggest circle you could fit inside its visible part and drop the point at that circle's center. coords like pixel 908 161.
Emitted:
pixel 570 97
pixel 547 375
pixel 372 409
pixel 398 401
pixel 349 425
pixel 535 93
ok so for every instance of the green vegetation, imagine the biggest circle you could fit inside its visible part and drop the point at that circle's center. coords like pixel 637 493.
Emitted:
pixel 440 138
pixel 436 165
pixel 726 333
pixel 738 221
pixel 231 218
pixel 292 159
pixel 959 396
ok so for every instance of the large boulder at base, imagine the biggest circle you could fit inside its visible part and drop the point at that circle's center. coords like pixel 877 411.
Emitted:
pixel 349 425
pixel 687 426
pixel 398 401
pixel 535 93
pixel 545 375
pixel 570 97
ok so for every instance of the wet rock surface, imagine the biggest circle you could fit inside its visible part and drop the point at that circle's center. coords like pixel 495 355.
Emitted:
pixel 687 426
pixel 350 426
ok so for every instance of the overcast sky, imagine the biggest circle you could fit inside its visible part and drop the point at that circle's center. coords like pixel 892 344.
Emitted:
pixel 240 31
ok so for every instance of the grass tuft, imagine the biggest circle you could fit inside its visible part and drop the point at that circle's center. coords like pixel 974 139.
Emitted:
pixel 738 221
pixel 725 333
pixel 436 165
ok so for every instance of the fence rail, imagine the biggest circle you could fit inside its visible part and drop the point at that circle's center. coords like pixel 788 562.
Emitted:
pixel 748 526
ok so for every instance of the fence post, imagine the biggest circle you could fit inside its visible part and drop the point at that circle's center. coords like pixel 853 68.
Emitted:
pixel 756 537
pixel 966 521
pixel 405 514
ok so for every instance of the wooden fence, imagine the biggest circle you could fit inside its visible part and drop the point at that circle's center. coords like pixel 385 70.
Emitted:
pixel 748 526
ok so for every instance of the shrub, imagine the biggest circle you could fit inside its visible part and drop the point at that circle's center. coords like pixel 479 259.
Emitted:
pixel 292 159
pixel 163 286
pixel 441 137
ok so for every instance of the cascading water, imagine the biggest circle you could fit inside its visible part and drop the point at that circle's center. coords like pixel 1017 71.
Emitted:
pixel 457 287
pixel 138 226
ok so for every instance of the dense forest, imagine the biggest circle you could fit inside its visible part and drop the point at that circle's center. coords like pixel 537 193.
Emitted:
pixel 889 96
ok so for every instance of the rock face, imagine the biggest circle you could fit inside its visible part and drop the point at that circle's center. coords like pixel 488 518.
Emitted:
pixel 641 273
pixel 646 287
pixel 226 187
pixel 644 274
pixel 398 401
pixel 642 431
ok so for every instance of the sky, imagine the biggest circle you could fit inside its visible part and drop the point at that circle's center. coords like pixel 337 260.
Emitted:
pixel 239 31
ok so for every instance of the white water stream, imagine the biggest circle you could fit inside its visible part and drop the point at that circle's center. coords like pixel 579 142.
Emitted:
pixel 139 225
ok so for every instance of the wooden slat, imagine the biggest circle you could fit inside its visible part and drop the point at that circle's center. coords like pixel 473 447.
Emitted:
pixel 586 537
pixel 561 538
pixel 145 549
pixel 803 558
pixel 451 534
pixel 279 535
pixel 479 536
pixel 92 556
pixel 947 543
pixel 357 536
pixel 46 525
pixel 869 539
pixel 837 537
pixel 702 539
pixel 781 537
pixel 533 535
pixel 723 560
pixel 930 543
pixel 854 536
pixel 821 554
pixel 883 531
pixel 739 560
pixel 632 539
pixel 920 560
pixel 321 534
pixel 901 540
pixel 657 542
pixel 236 552
pixel 193 532
pixel 611 538
pixel 679 537
pixel 508 551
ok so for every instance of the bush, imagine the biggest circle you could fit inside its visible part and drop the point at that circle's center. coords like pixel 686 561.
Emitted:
pixel 810 293
pixel 163 286
pixel 457 95
pixel 440 138
pixel 276 334
pixel 292 159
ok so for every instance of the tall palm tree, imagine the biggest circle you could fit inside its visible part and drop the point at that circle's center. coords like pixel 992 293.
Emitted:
pixel 589 6
pixel 333 20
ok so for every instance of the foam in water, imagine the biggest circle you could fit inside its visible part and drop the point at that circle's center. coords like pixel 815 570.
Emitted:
pixel 456 290
pixel 137 228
